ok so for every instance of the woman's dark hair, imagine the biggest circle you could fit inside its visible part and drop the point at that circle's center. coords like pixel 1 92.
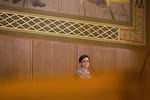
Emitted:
pixel 82 57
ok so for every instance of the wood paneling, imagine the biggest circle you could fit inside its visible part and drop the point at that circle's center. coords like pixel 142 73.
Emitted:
pixel 64 57
pixel 27 57
pixel 51 58
pixel 15 57
pixel 44 58
pixel 130 60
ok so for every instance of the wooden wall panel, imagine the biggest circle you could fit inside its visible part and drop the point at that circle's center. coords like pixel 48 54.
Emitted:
pixel 147 67
pixel 64 57
pixel 130 60
pixel 27 57
pixel 51 58
pixel 15 57
pixel 44 58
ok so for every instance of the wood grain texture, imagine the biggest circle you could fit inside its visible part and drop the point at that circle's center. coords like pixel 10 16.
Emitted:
pixel 28 57
pixel 15 57
pixel 130 60
pixel 51 58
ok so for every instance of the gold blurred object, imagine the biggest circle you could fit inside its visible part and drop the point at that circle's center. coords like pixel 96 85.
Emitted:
pixel 102 86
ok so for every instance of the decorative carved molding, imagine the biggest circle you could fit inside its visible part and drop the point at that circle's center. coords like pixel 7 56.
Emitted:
pixel 75 28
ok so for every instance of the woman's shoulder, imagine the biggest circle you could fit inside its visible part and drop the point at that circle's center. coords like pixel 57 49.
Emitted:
pixel 79 71
pixel 82 74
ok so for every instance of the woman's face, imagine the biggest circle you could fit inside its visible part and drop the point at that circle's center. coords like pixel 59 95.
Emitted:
pixel 85 62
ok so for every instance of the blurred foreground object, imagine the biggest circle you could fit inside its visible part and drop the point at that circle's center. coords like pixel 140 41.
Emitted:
pixel 102 86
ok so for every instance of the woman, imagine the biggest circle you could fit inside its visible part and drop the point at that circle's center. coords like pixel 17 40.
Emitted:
pixel 83 71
